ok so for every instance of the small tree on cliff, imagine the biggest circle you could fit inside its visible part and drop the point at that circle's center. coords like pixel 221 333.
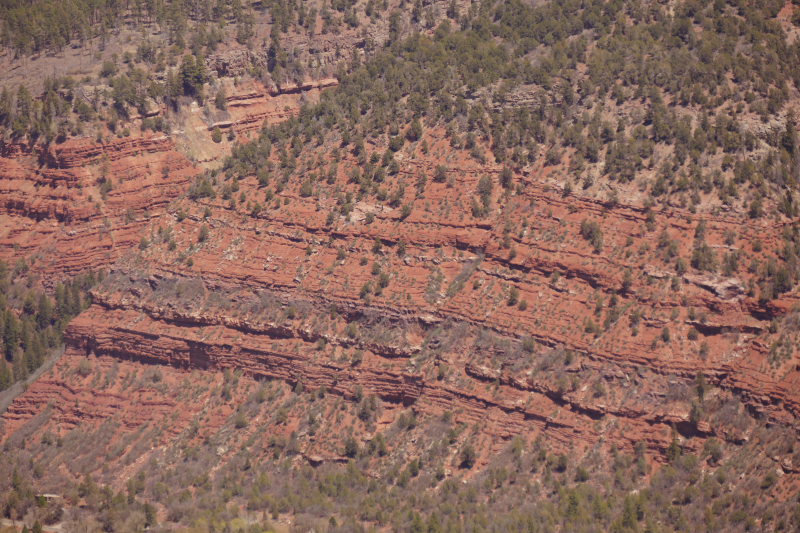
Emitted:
pixel 468 456
pixel 203 235
pixel 221 100
pixel 513 296
pixel 701 385
pixel 149 515
pixel 591 231
pixel 6 378
pixel 351 447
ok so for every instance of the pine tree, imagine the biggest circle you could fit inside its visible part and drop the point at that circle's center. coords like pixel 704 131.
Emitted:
pixel 629 514
pixel 6 380
pixel 29 307
pixel 188 74
pixel 45 312
pixel 19 366
pixel 25 335
pixel 61 301
pixel 149 515
pixel 221 100
pixel 75 306
pixel 12 333
pixel 2 327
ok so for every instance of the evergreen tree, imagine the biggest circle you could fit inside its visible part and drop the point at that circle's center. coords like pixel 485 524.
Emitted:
pixel 12 333
pixel 20 367
pixel 61 301
pixel 29 306
pixel 221 100
pixel 44 314
pixel 75 305
pixel 6 379
pixel 188 74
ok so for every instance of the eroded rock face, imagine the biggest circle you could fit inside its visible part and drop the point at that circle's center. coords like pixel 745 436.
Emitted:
pixel 233 63
pixel 52 206
pixel 598 343
pixel 513 369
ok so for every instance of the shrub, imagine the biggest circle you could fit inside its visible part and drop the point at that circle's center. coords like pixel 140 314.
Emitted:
pixel 627 280
pixel 591 231
pixel 468 456
pixel 506 177
pixel 704 349
pixel 414 132
pixel 150 518
pixel 201 188
pixel 756 209
pixel 282 415
pixel 528 345
pixel 221 100
pixel 216 135
pixel 84 367
pixel 692 334
pixel 769 480
pixel 106 187
pixel 108 69
pixel 350 447
pixel 681 266
pixel 484 191
pixel 396 143
pixel 202 236
pixel 782 282
pixel 440 174
pixel 713 448
pixel 513 296
pixel 704 258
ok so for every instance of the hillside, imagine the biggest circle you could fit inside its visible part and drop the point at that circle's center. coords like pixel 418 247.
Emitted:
pixel 400 266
